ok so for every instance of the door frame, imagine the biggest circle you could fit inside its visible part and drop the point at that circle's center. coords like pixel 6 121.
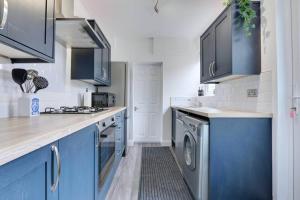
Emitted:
pixel 132 78
pixel 296 69
pixel 283 133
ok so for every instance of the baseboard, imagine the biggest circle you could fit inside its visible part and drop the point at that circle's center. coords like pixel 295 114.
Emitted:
pixel 167 143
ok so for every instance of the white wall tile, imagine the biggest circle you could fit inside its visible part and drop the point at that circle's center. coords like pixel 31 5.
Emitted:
pixel 233 94
pixel 62 91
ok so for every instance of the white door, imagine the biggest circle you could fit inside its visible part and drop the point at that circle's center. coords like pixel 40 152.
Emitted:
pixel 296 94
pixel 147 103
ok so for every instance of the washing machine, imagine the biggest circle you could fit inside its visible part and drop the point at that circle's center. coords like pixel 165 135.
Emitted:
pixel 195 156
pixel 179 134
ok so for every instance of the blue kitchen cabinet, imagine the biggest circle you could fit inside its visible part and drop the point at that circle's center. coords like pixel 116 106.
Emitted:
pixel 30 177
pixel 120 135
pixel 28 26
pixel 240 165
pixel 227 51
pixel 93 65
pixel 78 165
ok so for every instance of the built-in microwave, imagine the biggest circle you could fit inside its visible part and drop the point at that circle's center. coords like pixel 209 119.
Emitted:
pixel 103 99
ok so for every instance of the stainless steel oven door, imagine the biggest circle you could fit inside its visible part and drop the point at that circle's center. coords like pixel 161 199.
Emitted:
pixel 106 153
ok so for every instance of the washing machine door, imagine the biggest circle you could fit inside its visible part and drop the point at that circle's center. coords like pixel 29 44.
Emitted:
pixel 189 150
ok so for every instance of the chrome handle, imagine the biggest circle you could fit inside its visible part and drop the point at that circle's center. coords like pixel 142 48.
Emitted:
pixel 213 68
pixel 58 161
pixel 97 135
pixel 209 69
pixel 4 14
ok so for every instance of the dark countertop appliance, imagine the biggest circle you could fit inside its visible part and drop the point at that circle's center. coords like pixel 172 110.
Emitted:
pixel 103 99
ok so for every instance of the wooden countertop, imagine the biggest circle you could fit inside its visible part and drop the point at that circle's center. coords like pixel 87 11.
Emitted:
pixel 22 135
pixel 222 113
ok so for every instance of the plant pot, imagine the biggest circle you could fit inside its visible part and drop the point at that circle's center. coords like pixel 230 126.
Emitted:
pixel 29 105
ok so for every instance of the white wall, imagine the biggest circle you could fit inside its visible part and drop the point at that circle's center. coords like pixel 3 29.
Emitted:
pixel 181 66
pixel 62 91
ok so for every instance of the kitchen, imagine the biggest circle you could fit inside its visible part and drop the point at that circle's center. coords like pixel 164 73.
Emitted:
pixel 158 59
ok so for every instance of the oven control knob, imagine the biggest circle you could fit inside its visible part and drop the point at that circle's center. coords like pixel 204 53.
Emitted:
pixel 113 119
pixel 103 124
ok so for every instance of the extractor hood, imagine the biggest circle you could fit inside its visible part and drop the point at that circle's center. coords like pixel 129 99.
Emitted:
pixel 72 31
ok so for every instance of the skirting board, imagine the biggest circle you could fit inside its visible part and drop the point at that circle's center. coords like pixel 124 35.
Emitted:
pixel 166 143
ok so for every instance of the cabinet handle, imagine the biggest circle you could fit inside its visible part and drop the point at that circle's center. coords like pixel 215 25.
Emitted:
pixel 4 14
pixel 97 135
pixel 213 68
pixel 209 69
pixel 57 156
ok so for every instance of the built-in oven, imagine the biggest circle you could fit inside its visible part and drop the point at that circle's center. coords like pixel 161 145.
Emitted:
pixel 105 151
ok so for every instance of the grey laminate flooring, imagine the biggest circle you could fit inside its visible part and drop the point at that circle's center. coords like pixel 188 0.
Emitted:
pixel 125 185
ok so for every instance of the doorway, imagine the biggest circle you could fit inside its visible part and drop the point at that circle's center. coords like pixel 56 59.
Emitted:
pixel 147 103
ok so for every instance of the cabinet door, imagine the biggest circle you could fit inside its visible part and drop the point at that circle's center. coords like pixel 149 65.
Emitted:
pixel 78 162
pixel 30 23
pixel 29 177
pixel 207 55
pixel 106 66
pixel 223 43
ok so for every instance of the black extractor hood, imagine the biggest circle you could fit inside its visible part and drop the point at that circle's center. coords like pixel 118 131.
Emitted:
pixel 74 32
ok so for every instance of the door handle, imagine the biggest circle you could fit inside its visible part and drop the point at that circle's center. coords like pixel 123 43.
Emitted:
pixel 58 161
pixel 4 14
pixel 294 111
pixel 135 108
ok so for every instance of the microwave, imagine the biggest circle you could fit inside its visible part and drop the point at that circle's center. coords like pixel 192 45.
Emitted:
pixel 103 99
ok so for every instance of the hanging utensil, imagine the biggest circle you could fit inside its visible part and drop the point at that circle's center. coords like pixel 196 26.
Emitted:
pixel 19 76
pixel 31 74
pixel 40 83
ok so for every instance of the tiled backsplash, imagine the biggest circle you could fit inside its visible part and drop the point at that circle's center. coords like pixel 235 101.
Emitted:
pixel 184 101
pixel 61 91
pixel 233 94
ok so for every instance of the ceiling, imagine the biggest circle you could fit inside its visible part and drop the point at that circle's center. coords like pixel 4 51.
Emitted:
pixel 137 18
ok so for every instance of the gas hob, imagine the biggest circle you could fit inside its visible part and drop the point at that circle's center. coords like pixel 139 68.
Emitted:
pixel 73 110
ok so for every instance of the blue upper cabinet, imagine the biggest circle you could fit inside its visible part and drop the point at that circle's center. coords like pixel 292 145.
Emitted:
pixel 31 177
pixel 227 51
pixel 27 31
pixel 78 165
pixel 93 65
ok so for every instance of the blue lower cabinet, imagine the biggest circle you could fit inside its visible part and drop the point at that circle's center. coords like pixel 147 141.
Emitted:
pixel 78 168
pixel 240 159
pixel 83 176
pixel 30 177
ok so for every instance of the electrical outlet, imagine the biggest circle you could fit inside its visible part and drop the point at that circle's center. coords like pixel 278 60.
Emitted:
pixel 252 93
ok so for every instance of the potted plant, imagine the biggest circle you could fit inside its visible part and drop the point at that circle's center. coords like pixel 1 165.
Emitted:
pixel 246 12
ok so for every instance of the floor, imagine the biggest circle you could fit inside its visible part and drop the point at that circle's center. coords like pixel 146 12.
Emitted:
pixel 125 185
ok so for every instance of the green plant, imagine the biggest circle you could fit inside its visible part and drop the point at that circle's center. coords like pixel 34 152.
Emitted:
pixel 247 14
